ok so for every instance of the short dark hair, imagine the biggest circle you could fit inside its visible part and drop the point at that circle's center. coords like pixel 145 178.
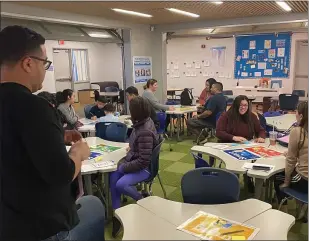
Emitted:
pixel 101 99
pixel 51 98
pixel 16 42
pixel 132 90
pixel 218 86
pixel 62 97
pixel 109 107
pixel 139 109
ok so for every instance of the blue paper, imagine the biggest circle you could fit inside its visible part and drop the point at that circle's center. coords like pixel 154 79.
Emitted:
pixel 241 155
pixel 94 155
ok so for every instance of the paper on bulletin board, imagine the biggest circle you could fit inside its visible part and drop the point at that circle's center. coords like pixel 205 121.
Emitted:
pixel 193 74
pixel 206 63
pixel 188 74
pixel 176 66
pixel 142 68
pixel 245 54
pixel 252 44
pixel 257 74
pixel 267 44
pixel 272 53
pixel 188 65
pixel 244 74
pixel 262 65
pixel 221 75
pixel 205 74
pixel 268 71
pixel 281 52
pixel 197 65
pixel 176 74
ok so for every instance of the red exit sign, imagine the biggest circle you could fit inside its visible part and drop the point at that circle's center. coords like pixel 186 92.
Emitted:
pixel 61 42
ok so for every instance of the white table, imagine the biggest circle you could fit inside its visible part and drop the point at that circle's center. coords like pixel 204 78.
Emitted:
pixel 89 125
pixel 273 224
pixel 154 218
pixel 301 98
pixel 235 166
pixel 88 169
pixel 282 122
pixel 179 111
pixel 177 213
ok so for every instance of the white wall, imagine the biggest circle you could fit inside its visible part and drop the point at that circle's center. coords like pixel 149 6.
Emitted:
pixel 189 49
pixel 105 62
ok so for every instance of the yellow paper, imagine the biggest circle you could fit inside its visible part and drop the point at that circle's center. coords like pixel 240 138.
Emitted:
pixel 238 238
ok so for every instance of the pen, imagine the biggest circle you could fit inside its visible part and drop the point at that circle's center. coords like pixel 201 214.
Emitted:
pixel 238 231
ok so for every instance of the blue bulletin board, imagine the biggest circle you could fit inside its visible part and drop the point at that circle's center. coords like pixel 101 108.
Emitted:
pixel 265 55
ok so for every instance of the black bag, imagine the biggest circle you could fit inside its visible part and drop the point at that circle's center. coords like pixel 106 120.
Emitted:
pixel 186 97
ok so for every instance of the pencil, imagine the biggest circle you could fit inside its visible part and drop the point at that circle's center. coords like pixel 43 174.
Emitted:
pixel 238 231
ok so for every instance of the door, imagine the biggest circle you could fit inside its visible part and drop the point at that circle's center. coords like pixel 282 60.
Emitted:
pixel 62 69
pixel 301 68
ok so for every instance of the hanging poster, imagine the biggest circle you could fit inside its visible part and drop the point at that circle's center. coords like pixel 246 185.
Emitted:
pixel 271 53
pixel 245 54
pixel 252 44
pixel 218 55
pixel 281 52
pixel 267 44
pixel 142 68
pixel 280 43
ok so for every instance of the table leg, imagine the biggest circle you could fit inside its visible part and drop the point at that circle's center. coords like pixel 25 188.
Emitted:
pixel 171 124
pixel 88 184
pixel 178 127
pixel 245 176
pixel 267 190
pixel 107 195
pixel 258 188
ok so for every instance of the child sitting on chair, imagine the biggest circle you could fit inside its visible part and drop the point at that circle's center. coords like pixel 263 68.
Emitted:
pixel 135 167
pixel 109 111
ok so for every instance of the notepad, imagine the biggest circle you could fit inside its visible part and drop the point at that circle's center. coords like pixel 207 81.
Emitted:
pixel 249 166
pixel 103 164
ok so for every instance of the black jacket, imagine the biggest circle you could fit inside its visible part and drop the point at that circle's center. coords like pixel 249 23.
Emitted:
pixel 35 170
pixel 95 111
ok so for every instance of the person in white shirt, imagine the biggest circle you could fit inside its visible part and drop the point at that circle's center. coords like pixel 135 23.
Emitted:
pixel 109 111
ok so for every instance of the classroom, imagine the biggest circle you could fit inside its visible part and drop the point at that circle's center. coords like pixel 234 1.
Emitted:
pixel 154 120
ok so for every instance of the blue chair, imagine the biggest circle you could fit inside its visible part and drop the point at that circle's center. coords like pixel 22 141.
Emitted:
pixel 87 109
pixel 161 116
pixel 154 169
pixel 288 102
pixel 229 101
pixel 272 113
pixel 199 161
pixel 293 194
pixel 209 186
pixel 111 131
pixel 300 93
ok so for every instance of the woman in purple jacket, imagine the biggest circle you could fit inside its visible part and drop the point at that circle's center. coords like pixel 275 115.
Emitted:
pixel 134 168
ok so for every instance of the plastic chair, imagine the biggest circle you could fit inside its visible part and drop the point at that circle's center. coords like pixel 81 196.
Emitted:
pixel 111 89
pixel 275 84
pixel 87 109
pixel 272 114
pixel 154 170
pixel 208 185
pixel 199 161
pixel 229 101
pixel 161 116
pixel 288 102
pixel 227 92
pixel 293 194
pixel 300 93
pixel 111 131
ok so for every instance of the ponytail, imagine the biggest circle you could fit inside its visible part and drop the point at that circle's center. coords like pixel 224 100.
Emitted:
pixel 62 97
pixel 149 82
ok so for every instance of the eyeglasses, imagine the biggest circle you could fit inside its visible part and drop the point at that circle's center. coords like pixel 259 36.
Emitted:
pixel 46 62
pixel 243 106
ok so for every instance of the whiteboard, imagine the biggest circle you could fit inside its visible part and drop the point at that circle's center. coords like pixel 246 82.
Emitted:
pixel 61 59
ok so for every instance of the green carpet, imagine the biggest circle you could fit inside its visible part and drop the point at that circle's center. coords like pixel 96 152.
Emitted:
pixel 172 167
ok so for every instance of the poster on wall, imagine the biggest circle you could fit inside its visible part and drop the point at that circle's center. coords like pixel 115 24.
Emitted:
pixel 142 69
pixel 218 55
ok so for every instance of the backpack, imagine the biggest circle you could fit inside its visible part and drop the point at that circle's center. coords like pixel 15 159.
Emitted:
pixel 186 97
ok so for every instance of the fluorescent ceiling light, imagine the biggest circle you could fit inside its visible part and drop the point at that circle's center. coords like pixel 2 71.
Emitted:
pixel 218 2
pixel 284 6
pixel 99 35
pixel 132 13
pixel 193 15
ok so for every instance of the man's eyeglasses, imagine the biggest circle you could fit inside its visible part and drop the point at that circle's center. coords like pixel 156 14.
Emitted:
pixel 46 62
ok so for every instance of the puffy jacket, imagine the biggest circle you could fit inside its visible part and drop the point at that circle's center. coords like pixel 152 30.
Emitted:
pixel 142 141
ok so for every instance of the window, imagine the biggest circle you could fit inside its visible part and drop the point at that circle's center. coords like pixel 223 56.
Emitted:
pixel 80 71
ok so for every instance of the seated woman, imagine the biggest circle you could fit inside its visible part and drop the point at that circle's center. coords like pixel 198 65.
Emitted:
pixel 239 124
pixel 134 168
pixel 65 100
pixel 296 164
pixel 150 88
pixel 206 94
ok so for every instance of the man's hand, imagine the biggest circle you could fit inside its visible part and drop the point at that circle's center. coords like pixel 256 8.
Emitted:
pixel 260 140
pixel 239 139
pixel 71 136
pixel 79 152
pixel 284 185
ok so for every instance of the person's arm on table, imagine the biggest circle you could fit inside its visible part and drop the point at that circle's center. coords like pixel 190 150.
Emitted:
pixel 145 148
pixel 154 102
pixel 44 142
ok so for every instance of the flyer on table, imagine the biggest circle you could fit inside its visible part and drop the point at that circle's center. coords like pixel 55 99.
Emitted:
pixel 211 227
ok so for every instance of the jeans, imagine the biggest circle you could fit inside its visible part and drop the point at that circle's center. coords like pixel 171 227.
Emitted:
pixel 91 225
pixel 123 183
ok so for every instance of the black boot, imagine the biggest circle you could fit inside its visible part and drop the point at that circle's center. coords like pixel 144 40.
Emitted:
pixel 116 227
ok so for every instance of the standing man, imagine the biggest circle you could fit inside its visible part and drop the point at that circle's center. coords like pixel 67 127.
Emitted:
pixel 36 171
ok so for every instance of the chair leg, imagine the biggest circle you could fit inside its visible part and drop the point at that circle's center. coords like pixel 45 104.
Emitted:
pixel 282 201
pixel 199 136
pixel 163 189
pixel 170 145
